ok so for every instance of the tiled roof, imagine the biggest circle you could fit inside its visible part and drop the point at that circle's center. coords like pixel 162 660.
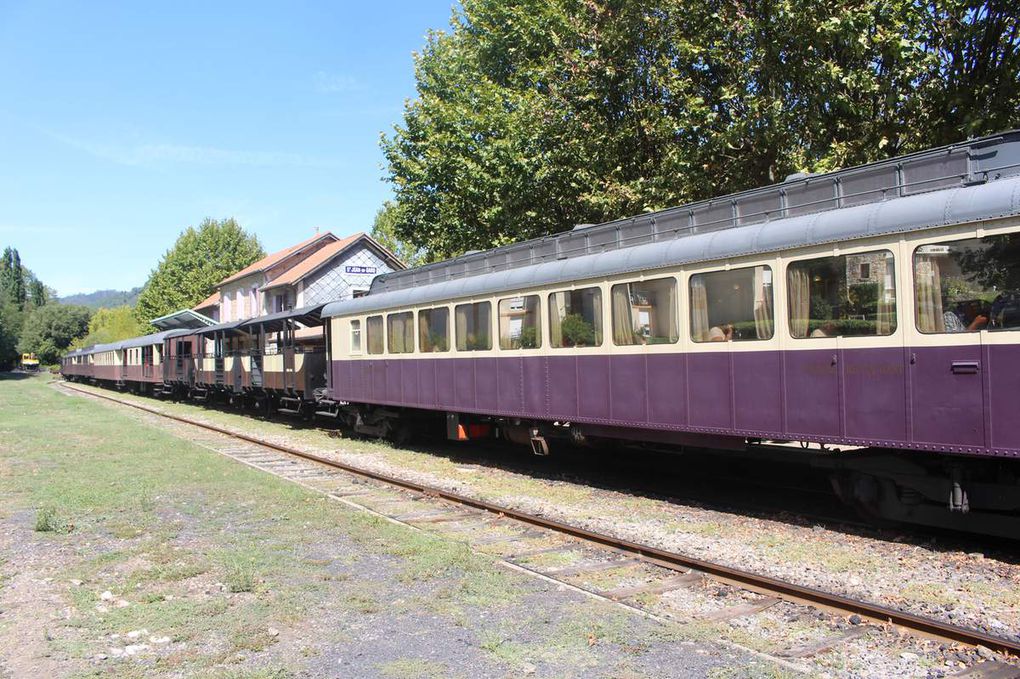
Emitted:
pixel 275 258
pixel 313 262
pixel 210 301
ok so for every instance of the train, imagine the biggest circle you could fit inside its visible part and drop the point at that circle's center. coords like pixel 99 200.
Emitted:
pixel 865 322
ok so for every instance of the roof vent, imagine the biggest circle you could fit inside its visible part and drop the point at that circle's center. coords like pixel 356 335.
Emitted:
pixel 797 176
pixel 581 226
pixel 471 252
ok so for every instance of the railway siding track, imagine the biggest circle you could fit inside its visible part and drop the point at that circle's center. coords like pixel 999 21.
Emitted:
pixel 527 541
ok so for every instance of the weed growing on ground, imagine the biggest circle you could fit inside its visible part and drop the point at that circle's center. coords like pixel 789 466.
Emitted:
pixel 412 668
pixel 752 670
pixel 240 574
pixel 47 520
pixel 503 649
pixel 251 638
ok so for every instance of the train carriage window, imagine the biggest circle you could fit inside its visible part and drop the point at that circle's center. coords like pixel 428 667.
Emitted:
pixel 520 325
pixel 732 306
pixel 374 334
pixel 968 285
pixel 828 297
pixel 645 312
pixel 575 318
pixel 434 330
pixel 356 337
pixel 401 332
pixel 474 326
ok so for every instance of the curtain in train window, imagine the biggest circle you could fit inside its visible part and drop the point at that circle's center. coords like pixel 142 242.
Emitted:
pixel 374 334
pixel 733 305
pixel 575 318
pixel 401 332
pixel 645 312
pixel 968 285
pixel 851 295
pixel 520 326
pixel 434 330
pixel 474 327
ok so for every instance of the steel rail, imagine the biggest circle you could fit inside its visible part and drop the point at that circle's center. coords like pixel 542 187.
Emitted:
pixel 786 590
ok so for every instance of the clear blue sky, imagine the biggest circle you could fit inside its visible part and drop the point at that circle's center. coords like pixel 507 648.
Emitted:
pixel 123 123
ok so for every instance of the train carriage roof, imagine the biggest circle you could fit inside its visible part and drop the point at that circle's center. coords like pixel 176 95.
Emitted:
pixel 991 200
pixel 229 326
pixel 307 316
pixel 144 340
pixel 970 162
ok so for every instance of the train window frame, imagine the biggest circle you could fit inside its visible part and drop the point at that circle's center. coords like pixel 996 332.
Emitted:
pixel 427 337
pixel 356 346
pixel 975 319
pixel 598 327
pixel 760 327
pixel 375 324
pixel 828 328
pixel 392 333
pixel 505 316
pixel 623 296
pixel 461 339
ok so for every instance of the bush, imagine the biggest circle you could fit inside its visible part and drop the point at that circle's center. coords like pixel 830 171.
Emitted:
pixel 577 332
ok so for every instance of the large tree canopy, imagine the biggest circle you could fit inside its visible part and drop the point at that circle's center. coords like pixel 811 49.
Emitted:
pixel 190 270
pixel 49 329
pixel 384 231
pixel 535 115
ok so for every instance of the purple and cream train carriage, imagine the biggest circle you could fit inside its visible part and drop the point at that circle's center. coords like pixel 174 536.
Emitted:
pixel 875 309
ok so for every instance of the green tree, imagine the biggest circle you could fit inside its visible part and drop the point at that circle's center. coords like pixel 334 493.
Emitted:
pixel 535 115
pixel 37 294
pixel 12 278
pixel 190 270
pixel 111 325
pixel 48 331
pixel 10 328
pixel 384 231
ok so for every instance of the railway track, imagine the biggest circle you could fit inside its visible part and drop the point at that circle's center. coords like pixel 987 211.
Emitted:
pixel 524 537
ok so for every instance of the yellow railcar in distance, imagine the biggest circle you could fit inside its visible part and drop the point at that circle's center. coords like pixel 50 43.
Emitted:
pixel 29 362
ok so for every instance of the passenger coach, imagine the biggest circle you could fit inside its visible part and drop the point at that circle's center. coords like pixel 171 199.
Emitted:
pixel 875 309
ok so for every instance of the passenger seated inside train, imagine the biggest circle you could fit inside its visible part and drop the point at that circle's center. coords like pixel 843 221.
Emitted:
pixel 966 317
pixel 968 285
pixel 732 306
pixel 722 333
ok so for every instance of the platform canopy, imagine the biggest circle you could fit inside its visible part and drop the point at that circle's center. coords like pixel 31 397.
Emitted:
pixel 307 316
pixel 183 319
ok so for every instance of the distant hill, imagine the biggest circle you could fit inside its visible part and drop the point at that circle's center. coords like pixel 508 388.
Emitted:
pixel 103 299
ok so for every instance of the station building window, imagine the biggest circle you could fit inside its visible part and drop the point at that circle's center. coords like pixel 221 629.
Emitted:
pixel 401 332
pixel 575 318
pixel 829 298
pixel 474 326
pixel 374 334
pixel 434 330
pixel 520 323
pixel 968 285
pixel 732 306
pixel 356 337
pixel 645 312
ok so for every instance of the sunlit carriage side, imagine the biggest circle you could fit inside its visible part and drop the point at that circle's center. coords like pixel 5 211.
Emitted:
pixel 820 328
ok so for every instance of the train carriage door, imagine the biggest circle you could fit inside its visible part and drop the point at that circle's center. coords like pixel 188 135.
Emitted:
pixel 965 293
pixel 289 378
